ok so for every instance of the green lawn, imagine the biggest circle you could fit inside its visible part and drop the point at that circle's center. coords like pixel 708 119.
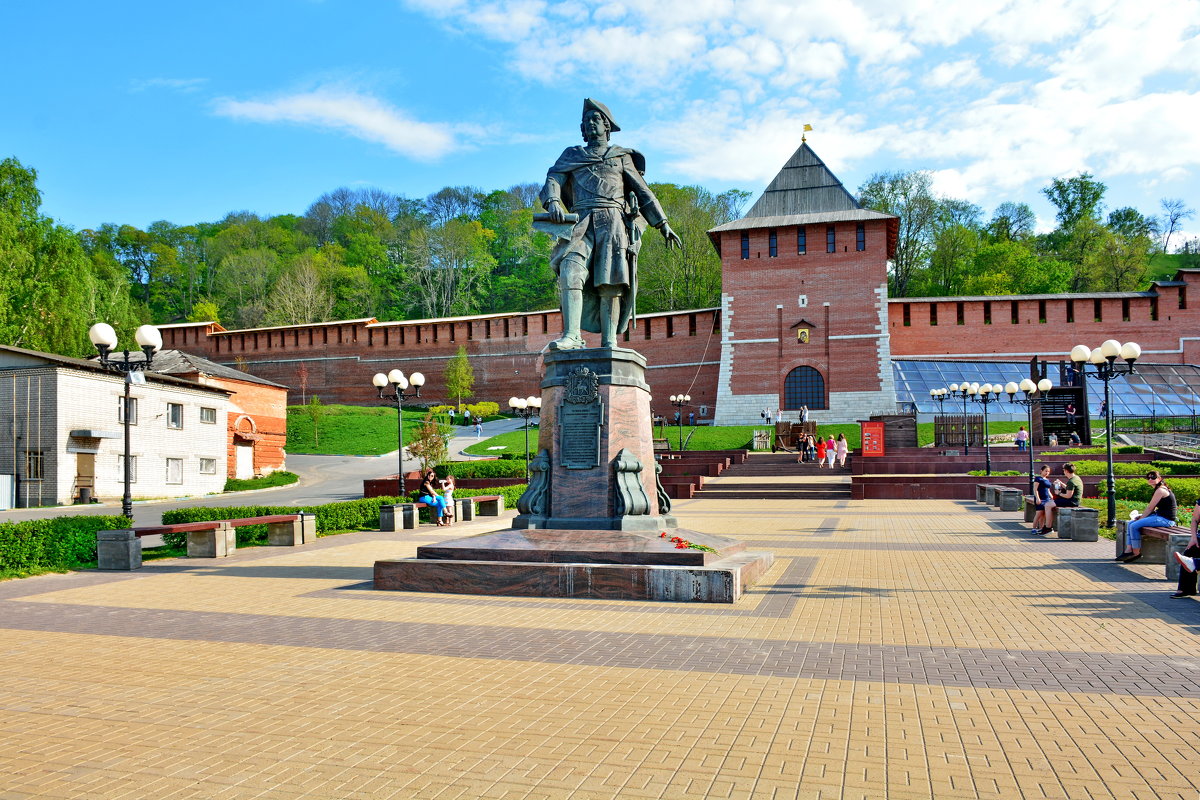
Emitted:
pixel 348 430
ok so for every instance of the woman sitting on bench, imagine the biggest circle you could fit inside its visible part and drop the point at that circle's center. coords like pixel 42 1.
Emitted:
pixel 1160 513
pixel 430 497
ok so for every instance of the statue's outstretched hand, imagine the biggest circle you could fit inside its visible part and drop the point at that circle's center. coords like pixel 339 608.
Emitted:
pixel 672 238
pixel 556 211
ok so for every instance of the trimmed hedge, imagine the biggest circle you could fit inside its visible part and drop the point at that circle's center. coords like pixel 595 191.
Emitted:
pixel 1125 449
pixel 1136 489
pixel 341 516
pixel 1138 468
pixel 508 468
pixel 996 473
pixel 58 544
pixel 331 517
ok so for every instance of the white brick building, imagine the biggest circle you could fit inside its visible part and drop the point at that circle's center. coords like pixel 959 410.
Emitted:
pixel 61 432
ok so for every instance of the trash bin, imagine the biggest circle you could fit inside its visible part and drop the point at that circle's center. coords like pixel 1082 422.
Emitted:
pixel 85 495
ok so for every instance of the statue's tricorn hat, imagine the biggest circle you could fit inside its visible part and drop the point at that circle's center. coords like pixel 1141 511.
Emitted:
pixel 594 105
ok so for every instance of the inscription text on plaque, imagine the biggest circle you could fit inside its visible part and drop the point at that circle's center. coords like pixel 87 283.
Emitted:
pixel 579 434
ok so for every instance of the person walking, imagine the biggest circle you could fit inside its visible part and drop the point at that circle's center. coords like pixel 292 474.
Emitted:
pixel 830 450
pixel 1159 513
pixel 1022 439
pixel 478 428
pixel 821 454
pixel 843 449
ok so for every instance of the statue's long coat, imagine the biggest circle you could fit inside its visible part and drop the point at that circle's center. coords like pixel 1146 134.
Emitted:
pixel 602 189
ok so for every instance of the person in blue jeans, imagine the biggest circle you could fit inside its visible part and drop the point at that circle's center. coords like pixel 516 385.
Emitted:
pixel 1160 513
pixel 430 497
pixel 1043 495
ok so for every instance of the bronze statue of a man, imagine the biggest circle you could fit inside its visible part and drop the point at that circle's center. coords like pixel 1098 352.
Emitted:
pixel 600 189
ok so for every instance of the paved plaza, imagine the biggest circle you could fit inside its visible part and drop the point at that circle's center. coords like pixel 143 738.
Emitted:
pixel 896 649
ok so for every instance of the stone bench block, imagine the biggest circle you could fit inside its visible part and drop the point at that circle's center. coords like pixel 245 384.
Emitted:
pixel 290 534
pixel 1085 524
pixel 981 492
pixel 1177 543
pixel 464 509
pixel 992 495
pixel 217 543
pixel 118 550
pixel 388 517
pixel 1030 509
pixel 491 508
pixel 1011 500
pixel 1154 549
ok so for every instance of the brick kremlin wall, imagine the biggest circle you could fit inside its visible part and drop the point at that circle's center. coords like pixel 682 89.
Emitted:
pixel 336 360
pixel 1165 320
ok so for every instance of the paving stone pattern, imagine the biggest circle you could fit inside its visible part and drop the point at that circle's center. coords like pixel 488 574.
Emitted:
pixel 915 650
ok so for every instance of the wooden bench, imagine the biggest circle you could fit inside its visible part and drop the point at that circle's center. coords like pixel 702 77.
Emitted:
pixel 406 516
pixel 1159 546
pixel 122 550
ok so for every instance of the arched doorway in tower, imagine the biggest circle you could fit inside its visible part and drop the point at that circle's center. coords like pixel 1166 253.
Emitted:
pixel 245 434
pixel 804 386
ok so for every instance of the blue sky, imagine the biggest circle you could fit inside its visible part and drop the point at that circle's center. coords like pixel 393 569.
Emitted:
pixel 133 112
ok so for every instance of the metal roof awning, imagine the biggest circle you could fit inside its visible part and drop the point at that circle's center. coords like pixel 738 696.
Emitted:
pixel 92 433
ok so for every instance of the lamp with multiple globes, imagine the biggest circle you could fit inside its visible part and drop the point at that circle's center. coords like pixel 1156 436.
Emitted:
pixel 526 408
pixel 104 338
pixel 1102 364
pixel 680 401
pixel 1031 395
pixel 400 392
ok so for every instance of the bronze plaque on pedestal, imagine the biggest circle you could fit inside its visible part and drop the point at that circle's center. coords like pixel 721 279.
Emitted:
pixel 579 434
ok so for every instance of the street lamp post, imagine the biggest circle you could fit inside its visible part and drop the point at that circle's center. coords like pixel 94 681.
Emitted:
pixel 400 393
pixel 105 340
pixel 1033 393
pixel 526 409
pixel 1105 368
pixel 986 395
pixel 680 401
pixel 964 389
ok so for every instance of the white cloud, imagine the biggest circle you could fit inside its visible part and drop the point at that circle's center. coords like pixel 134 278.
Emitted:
pixel 358 115
pixel 1102 85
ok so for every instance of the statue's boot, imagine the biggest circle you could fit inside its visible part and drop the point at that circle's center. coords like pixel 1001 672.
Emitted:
pixel 610 312
pixel 572 311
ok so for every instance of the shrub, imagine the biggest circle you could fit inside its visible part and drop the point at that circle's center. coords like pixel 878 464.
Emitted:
pixel 1138 468
pixel 997 473
pixel 1136 489
pixel 509 493
pixel 484 408
pixel 278 478
pixel 57 544
pixel 1125 449
pixel 510 468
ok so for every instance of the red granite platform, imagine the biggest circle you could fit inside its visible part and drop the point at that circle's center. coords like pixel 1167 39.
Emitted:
pixel 614 565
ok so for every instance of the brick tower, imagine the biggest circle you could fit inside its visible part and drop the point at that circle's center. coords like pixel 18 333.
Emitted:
pixel 804 302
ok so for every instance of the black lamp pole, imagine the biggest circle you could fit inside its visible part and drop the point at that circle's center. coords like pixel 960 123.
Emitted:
pixel 1103 361
pixel 526 409
pixel 104 338
pixel 985 396
pixel 680 401
pixel 400 385
pixel 1032 394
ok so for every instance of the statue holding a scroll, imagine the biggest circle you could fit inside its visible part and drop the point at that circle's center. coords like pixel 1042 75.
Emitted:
pixel 597 203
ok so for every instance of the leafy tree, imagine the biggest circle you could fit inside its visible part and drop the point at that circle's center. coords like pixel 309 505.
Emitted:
pixel 459 377
pixel 1130 223
pixel 429 442
pixel 1117 263
pixel 452 263
pixel 205 311
pixel 1012 221
pixel 298 297
pixel 53 290
pixel 909 195
pixel 689 277
pixel 1076 199
pixel 454 202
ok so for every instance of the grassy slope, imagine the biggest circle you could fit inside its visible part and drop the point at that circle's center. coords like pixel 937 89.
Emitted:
pixel 349 430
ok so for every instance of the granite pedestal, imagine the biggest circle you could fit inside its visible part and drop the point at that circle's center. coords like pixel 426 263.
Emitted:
pixel 591 523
